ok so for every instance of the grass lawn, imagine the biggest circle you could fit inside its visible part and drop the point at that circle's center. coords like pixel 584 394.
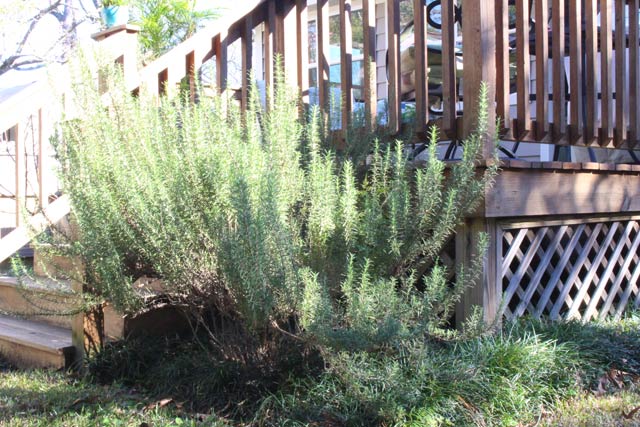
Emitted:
pixel 604 364
pixel 49 398
pixel 45 398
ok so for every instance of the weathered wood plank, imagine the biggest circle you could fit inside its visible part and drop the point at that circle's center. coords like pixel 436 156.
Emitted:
pixel 370 84
pixel 575 74
pixel 486 291
pixel 449 83
pixel 523 73
pixel 559 84
pixel 20 173
pixel 606 86
pixel 620 131
pixel 542 67
pixel 323 53
pixel 393 52
pixel 533 192
pixel 246 43
pixel 302 44
pixel 634 73
pixel 591 71
pixel 420 82
pixel 269 48
pixel 346 63
pixel 479 33
pixel 503 83
pixel 222 67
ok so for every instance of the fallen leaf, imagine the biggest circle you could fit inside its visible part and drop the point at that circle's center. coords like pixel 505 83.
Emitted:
pixel 159 404
pixel 631 413
pixel 84 400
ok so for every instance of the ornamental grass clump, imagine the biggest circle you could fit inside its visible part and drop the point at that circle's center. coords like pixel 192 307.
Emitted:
pixel 257 229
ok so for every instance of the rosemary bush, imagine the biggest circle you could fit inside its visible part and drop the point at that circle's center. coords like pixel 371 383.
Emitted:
pixel 250 217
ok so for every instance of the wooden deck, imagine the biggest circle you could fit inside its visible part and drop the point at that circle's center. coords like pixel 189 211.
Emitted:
pixel 559 74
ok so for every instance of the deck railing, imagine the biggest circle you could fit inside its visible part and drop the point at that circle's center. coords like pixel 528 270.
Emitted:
pixel 560 71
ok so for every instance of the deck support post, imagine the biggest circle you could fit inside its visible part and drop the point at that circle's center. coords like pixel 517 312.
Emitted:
pixel 484 291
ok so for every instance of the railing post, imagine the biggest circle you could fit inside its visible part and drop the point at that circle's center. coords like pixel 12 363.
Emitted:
pixel 122 43
pixel 286 39
pixel 21 170
pixel 479 50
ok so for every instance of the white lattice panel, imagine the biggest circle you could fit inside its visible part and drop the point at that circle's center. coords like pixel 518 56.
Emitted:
pixel 573 270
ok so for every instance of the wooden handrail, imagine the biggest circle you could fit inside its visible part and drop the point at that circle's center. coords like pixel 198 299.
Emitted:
pixel 12 242
pixel 200 46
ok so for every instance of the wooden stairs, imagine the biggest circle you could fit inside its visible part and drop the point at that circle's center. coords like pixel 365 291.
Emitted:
pixel 36 315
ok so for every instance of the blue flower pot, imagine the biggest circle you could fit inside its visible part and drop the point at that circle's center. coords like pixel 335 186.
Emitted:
pixel 115 15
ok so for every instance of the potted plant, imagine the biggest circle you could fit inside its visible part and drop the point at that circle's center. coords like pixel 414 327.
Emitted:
pixel 115 12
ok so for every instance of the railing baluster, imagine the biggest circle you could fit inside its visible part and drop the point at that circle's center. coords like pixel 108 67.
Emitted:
pixel 269 48
pixel 591 72
pixel 221 45
pixel 559 83
pixel 346 63
pixel 247 54
pixel 606 59
pixel 20 171
pixel 286 30
pixel 323 53
pixel 302 42
pixel 621 74
pixel 502 63
pixel 370 86
pixel 449 83
pixel 575 54
pixel 523 75
pixel 41 163
pixel 163 82
pixel 421 84
pixel 542 68
pixel 634 72
pixel 393 37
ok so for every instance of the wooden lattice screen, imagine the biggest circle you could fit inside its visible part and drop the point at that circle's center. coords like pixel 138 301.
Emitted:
pixel 582 269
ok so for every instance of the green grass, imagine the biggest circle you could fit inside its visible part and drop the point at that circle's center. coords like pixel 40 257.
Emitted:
pixel 530 374
pixel 49 398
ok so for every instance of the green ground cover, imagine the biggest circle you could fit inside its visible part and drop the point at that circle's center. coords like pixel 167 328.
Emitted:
pixel 530 373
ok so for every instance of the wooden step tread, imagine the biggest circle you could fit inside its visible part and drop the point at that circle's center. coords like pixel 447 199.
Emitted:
pixel 35 334
pixel 38 284
pixel 28 344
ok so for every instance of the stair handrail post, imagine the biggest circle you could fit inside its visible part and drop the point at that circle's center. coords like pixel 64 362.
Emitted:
pixel 121 45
